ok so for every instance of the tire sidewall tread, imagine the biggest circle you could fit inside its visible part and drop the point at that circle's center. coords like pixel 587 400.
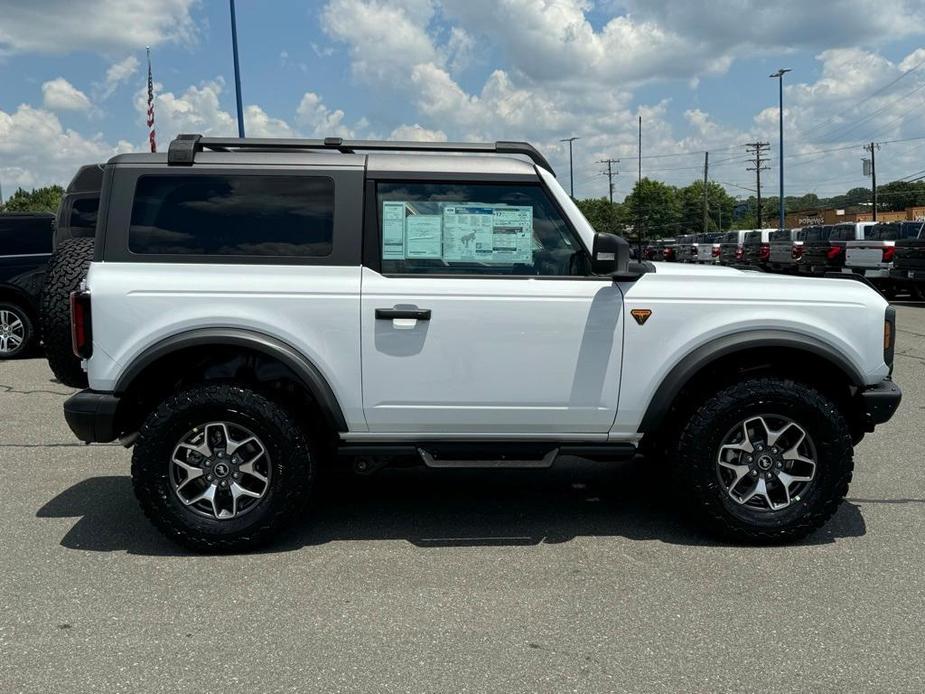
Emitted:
pixel 291 456
pixel 694 459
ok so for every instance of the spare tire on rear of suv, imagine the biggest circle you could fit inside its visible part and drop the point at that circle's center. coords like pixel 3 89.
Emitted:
pixel 67 267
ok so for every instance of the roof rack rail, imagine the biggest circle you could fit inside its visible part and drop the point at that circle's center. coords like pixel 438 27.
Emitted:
pixel 182 150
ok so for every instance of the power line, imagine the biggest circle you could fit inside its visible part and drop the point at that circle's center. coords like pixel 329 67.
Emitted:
pixel 857 104
pixel 610 174
pixel 757 149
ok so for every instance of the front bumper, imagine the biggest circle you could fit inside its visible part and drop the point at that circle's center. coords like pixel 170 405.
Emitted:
pixel 91 415
pixel 879 402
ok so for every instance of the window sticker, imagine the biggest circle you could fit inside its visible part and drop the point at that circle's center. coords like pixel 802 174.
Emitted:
pixel 393 231
pixel 488 234
pixel 471 232
pixel 423 236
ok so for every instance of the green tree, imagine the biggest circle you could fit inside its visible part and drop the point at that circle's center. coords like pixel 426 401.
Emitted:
pixel 653 209
pixel 719 203
pixel 898 195
pixel 602 215
pixel 38 200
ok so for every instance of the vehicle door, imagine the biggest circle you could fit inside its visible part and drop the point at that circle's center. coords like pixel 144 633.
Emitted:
pixel 480 314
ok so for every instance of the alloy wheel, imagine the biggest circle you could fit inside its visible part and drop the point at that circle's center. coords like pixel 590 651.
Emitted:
pixel 220 470
pixel 12 331
pixel 766 463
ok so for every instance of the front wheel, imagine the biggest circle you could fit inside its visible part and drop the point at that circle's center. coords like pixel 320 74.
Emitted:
pixel 219 468
pixel 765 460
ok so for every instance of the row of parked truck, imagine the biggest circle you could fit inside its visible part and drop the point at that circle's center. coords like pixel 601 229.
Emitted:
pixel 891 255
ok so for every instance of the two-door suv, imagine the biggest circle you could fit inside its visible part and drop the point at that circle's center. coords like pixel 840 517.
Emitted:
pixel 256 308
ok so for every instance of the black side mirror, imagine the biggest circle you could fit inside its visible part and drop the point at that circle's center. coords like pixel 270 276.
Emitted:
pixel 611 254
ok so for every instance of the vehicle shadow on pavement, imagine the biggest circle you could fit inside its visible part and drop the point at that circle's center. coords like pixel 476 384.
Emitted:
pixel 434 509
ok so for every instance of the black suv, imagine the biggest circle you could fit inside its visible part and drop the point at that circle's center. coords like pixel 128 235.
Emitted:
pixel 25 246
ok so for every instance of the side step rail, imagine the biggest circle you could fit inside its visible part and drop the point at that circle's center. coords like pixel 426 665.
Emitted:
pixel 486 454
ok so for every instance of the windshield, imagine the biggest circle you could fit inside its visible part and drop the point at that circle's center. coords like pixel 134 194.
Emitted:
pixel 818 233
pixel 912 230
pixel 842 232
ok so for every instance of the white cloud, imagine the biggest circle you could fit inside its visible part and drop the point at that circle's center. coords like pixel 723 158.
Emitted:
pixel 197 110
pixel 61 26
pixel 36 150
pixel 61 95
pixel 319 120
pixel 257 123
pixel 117 74
pixel 385 37
pixel 416 133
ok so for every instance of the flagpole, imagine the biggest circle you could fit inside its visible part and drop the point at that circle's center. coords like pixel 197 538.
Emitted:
pixel 237 70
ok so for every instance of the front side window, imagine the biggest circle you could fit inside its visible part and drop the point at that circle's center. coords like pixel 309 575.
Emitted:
pixel 233 215
pixel 475 229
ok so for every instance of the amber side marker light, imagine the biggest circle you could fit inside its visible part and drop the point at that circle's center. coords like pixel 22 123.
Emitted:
pixel 641 314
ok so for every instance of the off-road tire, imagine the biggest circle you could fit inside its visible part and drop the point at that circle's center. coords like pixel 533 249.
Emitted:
pixel 290 451
pixel 28 331
pixel 695 453
pixel 66 269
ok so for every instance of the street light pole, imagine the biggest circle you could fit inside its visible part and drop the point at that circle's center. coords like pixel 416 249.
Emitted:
pixel 571 173
pixel 237 71
pixel 780 80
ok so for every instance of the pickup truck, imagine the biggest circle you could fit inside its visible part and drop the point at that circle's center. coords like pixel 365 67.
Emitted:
pixel 25 246
pixel 824 248
pixel 756 248
pixel 786 250
pixel 730 247
pixel 907 254
pixel 707 247
pixel 873 256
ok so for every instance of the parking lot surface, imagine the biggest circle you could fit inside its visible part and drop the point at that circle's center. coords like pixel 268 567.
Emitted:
pixel 583 578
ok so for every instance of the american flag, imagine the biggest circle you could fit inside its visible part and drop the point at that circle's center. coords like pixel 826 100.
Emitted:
pixel 152 136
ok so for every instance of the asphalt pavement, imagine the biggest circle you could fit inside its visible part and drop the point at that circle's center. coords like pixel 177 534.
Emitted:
pixel 583 578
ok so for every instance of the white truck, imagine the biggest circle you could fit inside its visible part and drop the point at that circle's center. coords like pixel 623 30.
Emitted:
pixel 258 308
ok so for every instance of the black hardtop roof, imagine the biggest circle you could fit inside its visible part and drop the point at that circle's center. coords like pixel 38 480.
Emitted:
pixel 88 179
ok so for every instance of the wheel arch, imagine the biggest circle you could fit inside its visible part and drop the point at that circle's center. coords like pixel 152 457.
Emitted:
pixel 201 340
pixel 19 296
pixel 750 347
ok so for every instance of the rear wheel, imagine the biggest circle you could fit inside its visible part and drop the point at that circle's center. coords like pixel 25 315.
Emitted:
pixel 66 269
pixel 15 330
pixel 219 468
pixel 765 460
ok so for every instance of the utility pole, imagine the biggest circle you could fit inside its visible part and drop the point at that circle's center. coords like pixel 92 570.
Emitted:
pixel 571 171
pixel 237 70
pixel 872 147
pixel 780 78
pixel 706 171
pixel 610 174
pixel 639 172
pixel 757 149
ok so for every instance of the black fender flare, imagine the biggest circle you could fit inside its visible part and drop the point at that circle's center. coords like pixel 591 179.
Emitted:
pixel 309 374
pixel 703 356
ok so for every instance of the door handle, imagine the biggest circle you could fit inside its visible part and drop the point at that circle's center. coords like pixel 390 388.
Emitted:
pixel 393 313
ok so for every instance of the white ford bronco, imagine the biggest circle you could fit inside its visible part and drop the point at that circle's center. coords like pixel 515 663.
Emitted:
pixel 258 308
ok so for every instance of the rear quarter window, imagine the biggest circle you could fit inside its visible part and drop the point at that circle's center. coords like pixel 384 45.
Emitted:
pixel 233 215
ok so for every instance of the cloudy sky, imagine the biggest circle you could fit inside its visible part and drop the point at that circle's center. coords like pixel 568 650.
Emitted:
pixel 72 81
